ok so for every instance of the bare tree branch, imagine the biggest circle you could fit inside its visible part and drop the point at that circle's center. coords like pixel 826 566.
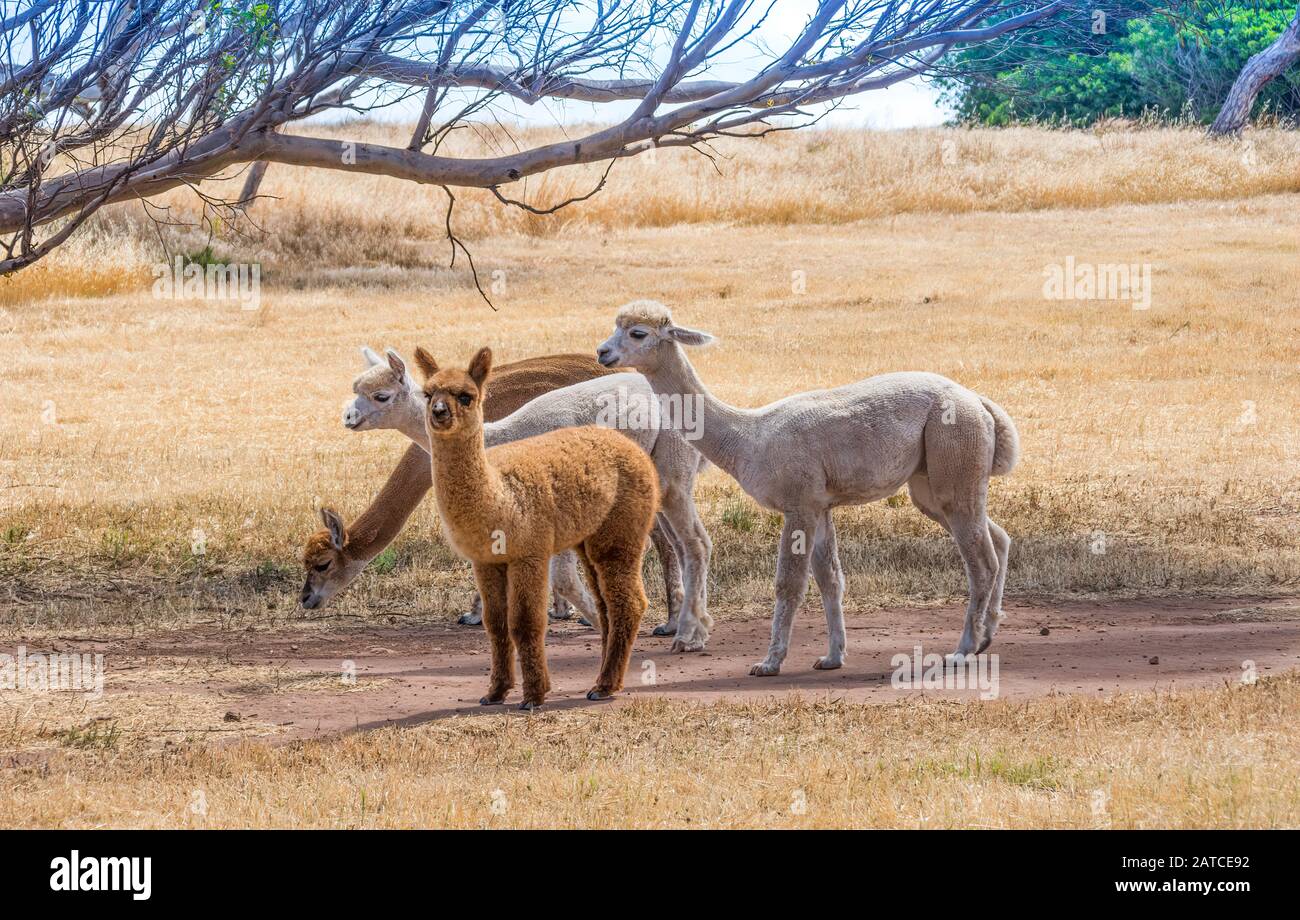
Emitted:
pixel 112 100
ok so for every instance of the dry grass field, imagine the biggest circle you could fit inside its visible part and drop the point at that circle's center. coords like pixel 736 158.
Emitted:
pixel 1160 451
pixel 1203 758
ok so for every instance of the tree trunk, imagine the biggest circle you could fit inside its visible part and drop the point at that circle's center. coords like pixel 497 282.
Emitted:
pixel 1259 70
pixel 251 185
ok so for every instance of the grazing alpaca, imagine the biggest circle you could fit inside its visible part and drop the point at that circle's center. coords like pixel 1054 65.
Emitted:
pixel 508 510
pixel 386 398
pixel 332 563
pixel 812 452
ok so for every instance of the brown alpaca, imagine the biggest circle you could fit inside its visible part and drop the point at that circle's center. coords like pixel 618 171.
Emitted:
pixel 510 509
pixel 335 556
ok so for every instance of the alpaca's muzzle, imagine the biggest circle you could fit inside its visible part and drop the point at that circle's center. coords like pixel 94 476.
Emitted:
pixel 439 413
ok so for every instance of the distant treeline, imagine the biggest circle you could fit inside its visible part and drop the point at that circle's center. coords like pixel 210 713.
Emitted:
pixel 1167 61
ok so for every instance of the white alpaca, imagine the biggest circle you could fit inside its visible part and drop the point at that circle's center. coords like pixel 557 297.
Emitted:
pixel 812 452
pixel 386 397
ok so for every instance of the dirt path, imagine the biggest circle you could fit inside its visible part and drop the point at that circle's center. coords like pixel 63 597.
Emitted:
pixel 437 671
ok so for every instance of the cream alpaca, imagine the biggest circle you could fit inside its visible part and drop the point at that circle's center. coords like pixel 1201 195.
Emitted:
pixel 807 454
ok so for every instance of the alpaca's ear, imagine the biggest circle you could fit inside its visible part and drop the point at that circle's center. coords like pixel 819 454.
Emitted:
pixel 396 363
pixel 334 524
pixel 424 361
pixel 688 336
pixel 481 365
pixel 370 357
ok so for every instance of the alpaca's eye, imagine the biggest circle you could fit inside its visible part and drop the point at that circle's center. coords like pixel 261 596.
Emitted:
pixel 637 334
pixel 322 566
pixel 464 399
pixel 382 397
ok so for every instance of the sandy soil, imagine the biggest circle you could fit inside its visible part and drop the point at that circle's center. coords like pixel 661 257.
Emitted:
pixel 412 675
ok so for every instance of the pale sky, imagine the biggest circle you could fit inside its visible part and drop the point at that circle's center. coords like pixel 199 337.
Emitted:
pixel 911 104
pixel 905 105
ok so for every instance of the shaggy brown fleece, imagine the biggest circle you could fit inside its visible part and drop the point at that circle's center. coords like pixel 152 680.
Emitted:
pixel 508 510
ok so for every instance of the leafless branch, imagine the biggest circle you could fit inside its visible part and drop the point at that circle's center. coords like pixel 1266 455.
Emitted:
pixel 104 101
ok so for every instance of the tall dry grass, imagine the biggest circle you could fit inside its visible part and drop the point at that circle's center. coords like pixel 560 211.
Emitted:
pixel 1160 445
pixel 313 224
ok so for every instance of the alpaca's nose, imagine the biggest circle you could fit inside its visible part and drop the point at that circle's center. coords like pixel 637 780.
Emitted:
pixel 439 410
pixel 350 417
pixel 603 355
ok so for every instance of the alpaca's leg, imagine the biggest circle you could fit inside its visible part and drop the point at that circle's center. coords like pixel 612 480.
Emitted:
pixel 527 592
pixel 492 587
pixel 1001 543
pixel 665 544
pixel 797 535
pixel 924 499
pixel 830 581
pixel 970 530
pixel 567 587
pixel 473 616
pixel 694 549
pixel 598 613
pixel 561 609
pixel 618 570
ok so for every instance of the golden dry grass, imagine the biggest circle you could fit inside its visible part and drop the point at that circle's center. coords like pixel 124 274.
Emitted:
pixel 314 227
pixel 1206 758
pixel 134 425
pixel 1169 433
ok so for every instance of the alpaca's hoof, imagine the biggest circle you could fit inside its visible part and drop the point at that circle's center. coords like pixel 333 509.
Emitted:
pixel 983 645
pixel 956 659
pixel 556 614
pixel 827 663
pixel 491 701
pixel 765 669
pixel 529 705
pixel 469 619
pixel 586 622
pixel 665 629
pixel 595 694
pixel 688 645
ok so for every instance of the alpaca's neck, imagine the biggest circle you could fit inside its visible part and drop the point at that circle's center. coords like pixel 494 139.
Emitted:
pixel 467 487
pixel 722 428
pixel 411 423
pixel 379 524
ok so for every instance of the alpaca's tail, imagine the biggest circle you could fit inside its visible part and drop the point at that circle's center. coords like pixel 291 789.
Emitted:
pixel 1006 441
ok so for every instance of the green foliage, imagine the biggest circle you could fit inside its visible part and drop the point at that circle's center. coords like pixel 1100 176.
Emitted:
pixel 1147 59
pixel 255 20
pixel 15 535
pixel 739 514
pixel 385 562
pixel 204 257
pixel 96 736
